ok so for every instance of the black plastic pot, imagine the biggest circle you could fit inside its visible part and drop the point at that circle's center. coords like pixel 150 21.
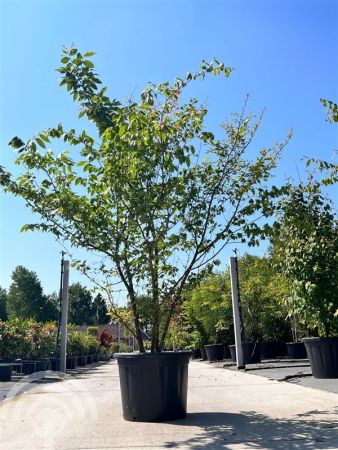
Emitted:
pixel 296 350
pixel 81 361
pixel 226 351
pixel 104 357
pixel 215 352
pixel 273 349
pixel 71 362
pixel 203 353
pixel 41 365
pixel 28 367
pixel 153 385
pixel 5 372
pixel 89 359
pixel 251 350
pixel 323 356
pixel 196 354
pixel 55 364
pixel 95 358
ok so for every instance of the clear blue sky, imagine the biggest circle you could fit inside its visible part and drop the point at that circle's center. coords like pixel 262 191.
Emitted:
pixel 284 52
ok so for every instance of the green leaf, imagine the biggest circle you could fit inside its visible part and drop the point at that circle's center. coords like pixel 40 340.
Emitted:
pixel 65 59
pixel 89 64
pixel 40 142
pixel 16 143
pixel 89 54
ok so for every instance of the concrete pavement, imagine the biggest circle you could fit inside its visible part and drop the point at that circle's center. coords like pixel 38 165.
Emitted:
pixel 226 409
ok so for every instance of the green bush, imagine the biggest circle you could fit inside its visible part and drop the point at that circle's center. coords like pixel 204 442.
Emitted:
pixel 94 331
pixel 14 340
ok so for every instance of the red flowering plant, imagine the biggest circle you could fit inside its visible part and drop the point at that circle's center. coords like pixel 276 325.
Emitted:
pixel 106 339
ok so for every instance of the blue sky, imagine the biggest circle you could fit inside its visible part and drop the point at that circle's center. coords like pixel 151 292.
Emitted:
pixel 284 54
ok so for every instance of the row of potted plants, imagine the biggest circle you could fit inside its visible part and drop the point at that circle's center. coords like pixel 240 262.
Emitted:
pixel 31 347
pixel 253 351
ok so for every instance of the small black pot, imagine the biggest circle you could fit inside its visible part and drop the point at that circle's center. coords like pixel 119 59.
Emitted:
pixel 71 362
pixel 296 350
pixel 273 349
pixel 89 359
pixel 226 351
pixel 251 350
pixel 28 367
pixel 196 354
pixel 323 356
pixel 41 365
pixel 104 357
pixel 153 385
pixel 215 352
pixel 6 372
pixel 203 353
pixel 81 361
pixel 95 358
pixel 55 364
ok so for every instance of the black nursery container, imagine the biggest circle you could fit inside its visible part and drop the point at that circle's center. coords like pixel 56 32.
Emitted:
pixel 203 353
pixel 296 350
pixel 196 354
pixel 323 356
pixel 71 362
pixel 273 349
pixel 215 352
pixel 5 372
pixel 251 350
pixel 153 385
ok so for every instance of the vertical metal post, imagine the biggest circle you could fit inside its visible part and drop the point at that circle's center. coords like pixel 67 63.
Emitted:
pixel 236 312
pixel 64 317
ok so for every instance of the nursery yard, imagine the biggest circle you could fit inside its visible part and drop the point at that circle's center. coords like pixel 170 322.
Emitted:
pixel 226 409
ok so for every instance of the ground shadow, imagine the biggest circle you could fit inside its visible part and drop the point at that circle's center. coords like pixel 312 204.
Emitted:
pixel 250 429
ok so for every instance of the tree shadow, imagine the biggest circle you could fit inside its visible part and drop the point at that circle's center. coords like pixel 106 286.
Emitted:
pixel 250 429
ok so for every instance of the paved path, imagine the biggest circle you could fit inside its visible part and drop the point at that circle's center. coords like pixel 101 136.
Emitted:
pixel 227 409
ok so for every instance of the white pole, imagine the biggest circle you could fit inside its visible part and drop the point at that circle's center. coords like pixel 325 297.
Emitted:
pixel 236 312
pixel 64 317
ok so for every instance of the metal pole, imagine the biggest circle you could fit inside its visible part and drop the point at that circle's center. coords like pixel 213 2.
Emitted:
pixel 60 303
pixel 236 312
pixel 64 317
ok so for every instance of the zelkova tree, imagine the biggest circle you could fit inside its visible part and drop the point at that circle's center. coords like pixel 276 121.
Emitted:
pixel 157 194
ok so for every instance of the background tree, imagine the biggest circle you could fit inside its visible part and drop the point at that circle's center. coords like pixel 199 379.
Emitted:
pixel 157 195
pixel 25 298
pixel 208 309
pixel 3 303
pixel 263 294
pixel 100 310
pixel 306 248
pixel 81 311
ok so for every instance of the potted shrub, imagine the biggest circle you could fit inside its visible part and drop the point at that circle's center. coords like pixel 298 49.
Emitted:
pixel 106 342
pixel 208 311
pixel 42 337
pixel 76 346
pixel 306 245
pixel 143 197
pixel 295 348
pixel 92 346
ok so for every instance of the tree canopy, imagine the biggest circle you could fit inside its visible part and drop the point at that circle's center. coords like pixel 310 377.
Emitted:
pixel 158 195
pixel 306 248
pixel 26 300
pixel 3 303
pixel 83 309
